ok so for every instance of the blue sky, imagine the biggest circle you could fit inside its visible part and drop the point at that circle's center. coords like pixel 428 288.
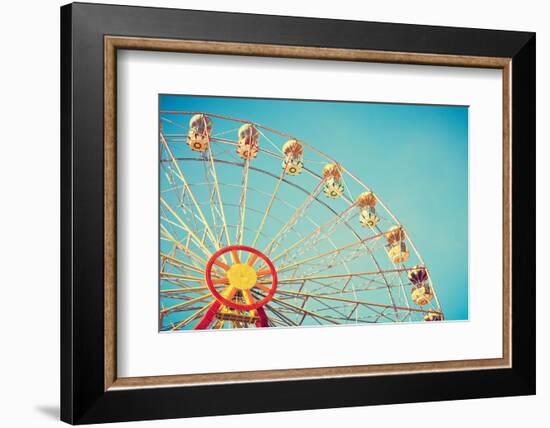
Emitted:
pixel 415 157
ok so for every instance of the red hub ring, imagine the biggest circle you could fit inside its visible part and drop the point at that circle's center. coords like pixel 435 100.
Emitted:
pixel 234 305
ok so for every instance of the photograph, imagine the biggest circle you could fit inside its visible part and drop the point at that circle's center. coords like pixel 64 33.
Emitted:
pixel 289 213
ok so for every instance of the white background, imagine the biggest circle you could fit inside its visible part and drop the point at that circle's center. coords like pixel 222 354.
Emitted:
pixel 29 154
pixel 143 75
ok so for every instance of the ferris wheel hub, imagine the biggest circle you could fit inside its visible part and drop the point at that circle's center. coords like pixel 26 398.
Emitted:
pixel 242 276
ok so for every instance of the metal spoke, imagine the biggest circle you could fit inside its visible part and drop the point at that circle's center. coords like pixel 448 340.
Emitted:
pixel 242 202
pixel 192 317
pixel 190 192
pixel 326 228
pixel 184 248
pixel 293 219
pixel 218 193
pixel 271 200
pixel 328 253
pixel 340 299
pixel 188 302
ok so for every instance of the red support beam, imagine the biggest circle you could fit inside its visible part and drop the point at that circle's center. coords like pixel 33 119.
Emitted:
pixel 263 321
pixel 208 316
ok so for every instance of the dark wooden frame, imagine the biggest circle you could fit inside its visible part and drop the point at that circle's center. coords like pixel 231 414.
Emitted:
pixel 90 35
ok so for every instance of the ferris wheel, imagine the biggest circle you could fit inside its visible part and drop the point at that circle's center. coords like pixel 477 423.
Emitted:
pixel 260 229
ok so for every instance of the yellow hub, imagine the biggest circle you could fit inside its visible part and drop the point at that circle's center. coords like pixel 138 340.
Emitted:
pixel 242 276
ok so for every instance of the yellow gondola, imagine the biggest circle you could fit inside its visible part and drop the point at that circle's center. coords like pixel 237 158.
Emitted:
pixel 248 146
pixel 293 148
pixel 422 295
pixel 366 200
pixel 293 162
pixel 199 134
pixel 332 171
pixel 368 217
pixel 292 166
pixel 333 189
pixel 395 234
pixel 399 253
pixel 432 316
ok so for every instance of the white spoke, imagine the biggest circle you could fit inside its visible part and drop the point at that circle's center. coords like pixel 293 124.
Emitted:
pixel 180 175
pixel 326 228
pixel 197 240
pixel 293 219
pixel 219 195
pixel 242 202
pixel 271 200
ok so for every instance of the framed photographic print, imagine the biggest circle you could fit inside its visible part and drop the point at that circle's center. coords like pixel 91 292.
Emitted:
pixel 306 213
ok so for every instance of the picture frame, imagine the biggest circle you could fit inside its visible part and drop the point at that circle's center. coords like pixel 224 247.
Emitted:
pixel 91 35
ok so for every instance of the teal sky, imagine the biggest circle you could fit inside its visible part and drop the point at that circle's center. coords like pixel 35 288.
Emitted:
pixel 415 157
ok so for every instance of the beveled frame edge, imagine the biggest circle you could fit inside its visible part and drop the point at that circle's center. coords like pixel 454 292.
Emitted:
pixel 113 43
